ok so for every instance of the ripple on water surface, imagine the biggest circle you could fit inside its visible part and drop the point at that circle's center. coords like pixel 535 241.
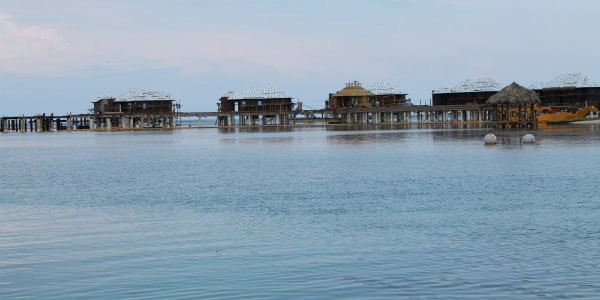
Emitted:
pixel 305 213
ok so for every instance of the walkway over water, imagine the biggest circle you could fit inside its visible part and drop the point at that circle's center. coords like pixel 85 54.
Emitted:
pixel 357 115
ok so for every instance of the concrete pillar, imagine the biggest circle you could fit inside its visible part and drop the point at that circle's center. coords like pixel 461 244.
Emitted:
pixel 69 123
pixel 92 123
pixel 479 116
pixel 251 120
pixel 107 123
pixel 230 120
pixel 278 119
pixel 173 122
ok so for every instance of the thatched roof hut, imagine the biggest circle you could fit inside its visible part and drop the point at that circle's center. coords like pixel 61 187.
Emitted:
pixel 514 94
pixel 514 106
pixel 353 91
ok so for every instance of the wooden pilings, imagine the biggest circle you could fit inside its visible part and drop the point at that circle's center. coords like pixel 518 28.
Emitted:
pixel 41 123
pixel 247 119
pixel 416 114
pixel 379 115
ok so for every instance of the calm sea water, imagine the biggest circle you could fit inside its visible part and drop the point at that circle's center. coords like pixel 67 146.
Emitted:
pixel 300 213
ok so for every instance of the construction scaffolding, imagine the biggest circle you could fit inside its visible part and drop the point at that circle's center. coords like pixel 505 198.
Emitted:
pixel 268 92
pixel 382 88
pixel 149 94
pixel 144 101
pixel 568 80
pixel 484 84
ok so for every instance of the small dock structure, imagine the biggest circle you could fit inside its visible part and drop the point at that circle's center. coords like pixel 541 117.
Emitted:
pixel 514 107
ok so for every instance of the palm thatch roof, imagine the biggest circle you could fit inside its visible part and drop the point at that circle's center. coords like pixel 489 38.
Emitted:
pixel 514 94
pixel 353 91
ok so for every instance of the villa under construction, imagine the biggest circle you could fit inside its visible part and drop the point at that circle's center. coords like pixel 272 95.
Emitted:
pixel 355 95
pixel 569 90
pixel 270 105
pixel 136 108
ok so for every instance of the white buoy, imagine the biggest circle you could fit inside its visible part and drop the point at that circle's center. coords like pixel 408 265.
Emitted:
pixel 490 139
pixel 528 138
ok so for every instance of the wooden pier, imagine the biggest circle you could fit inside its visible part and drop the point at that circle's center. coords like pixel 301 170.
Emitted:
pixel 372 115
pixel 39 123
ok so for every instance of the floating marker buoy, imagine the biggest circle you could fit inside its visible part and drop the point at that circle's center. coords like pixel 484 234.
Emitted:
pixel 490 139
pixel 451 122
pixel 282 125
pixel 528 138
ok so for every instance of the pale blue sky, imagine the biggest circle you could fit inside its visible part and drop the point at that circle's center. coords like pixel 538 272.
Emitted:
pixel 57 56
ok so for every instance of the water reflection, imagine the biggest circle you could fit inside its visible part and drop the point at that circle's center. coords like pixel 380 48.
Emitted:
pixel 372 137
